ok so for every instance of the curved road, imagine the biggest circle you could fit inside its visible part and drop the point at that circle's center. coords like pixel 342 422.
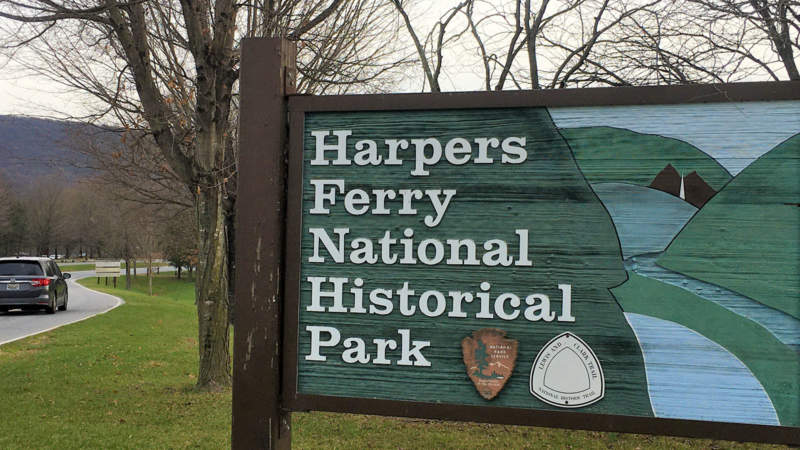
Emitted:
pixel 83 304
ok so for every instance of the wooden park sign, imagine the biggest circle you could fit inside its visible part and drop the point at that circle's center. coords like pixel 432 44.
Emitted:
pixel 107 268
pixel 609 259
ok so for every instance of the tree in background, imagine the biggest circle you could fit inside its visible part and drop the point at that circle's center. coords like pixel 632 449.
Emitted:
pixel 14 235
pixel 763 33
pixel 702 41
pixel 46 214
pixel 5 199
pixel 18 239
pixel 546 44
pixel 5 224
pixel 12 222
pixel 147 224
pixel 170 69
pixel 178 242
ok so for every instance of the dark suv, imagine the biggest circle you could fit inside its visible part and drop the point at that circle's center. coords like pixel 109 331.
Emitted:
pixel 32 283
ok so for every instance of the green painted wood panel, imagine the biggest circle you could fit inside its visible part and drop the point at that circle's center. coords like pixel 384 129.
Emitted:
pixel 747 238
pixel 572 241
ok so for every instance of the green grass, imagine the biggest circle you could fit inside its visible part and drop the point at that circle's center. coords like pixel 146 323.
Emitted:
pixel 775 365
pixel 607 154
pixel 122 379
pixel 125 379
pixel 747 238
pixel 329 430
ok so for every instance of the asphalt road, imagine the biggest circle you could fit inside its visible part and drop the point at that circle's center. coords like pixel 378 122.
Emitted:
pixel 83 304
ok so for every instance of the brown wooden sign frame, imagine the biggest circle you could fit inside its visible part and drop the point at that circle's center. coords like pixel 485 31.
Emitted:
pixel 268 238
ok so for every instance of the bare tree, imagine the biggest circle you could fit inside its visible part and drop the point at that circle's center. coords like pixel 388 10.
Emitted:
pixel 129 167
pixel 13 220
pixel 170 69
pixel 46 215
pixel 523 43
pixel 434 43
pixel 147 238
pixel 575 43
pixel 88 213
pixel 6 198
pixel 764 33
pixel 693 41
pixel 178 243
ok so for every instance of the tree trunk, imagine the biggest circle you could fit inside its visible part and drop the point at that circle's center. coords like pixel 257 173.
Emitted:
pixel 212 289
pixel 128 273
pixel 150 273
pixel 787 56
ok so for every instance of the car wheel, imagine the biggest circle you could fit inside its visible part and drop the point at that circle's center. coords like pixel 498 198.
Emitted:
pixel 54 307
pixel 64 306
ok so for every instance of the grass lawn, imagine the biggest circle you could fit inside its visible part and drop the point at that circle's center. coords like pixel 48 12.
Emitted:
pixel 125 379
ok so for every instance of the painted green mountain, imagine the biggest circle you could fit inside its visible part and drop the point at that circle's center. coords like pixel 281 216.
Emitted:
pixel 607 154
pixel 572 241
pixel 747 238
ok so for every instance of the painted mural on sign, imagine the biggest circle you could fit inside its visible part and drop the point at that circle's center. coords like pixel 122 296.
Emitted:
pixel 705 204
pixel 638 260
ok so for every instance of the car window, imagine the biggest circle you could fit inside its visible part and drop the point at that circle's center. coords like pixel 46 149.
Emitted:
pixel 48 266
pixel 20 268
pixel 57 270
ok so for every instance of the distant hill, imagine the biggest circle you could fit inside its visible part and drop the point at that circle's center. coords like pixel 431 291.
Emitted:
pixel 747 238
pixel 31 148
pixel 615 155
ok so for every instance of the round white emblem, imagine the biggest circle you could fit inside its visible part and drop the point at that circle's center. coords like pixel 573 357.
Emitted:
pixel 566 373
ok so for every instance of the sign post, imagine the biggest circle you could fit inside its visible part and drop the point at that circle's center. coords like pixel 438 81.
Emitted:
pixel 259 421
pixel 570 259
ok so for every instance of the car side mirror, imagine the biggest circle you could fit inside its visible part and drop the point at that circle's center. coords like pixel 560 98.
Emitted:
pixel 67 276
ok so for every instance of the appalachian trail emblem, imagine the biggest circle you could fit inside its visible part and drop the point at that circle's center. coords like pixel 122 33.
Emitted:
pixel 489 358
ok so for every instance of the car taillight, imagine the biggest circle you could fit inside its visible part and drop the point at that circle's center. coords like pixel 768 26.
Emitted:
pixel 40 282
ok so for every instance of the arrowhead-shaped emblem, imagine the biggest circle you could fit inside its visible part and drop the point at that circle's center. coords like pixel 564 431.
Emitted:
pixel 566 373
pixel 489 358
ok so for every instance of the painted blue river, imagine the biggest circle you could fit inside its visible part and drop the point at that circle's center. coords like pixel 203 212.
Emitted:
pixel 691 377
pixel 646 219
pixel 783 326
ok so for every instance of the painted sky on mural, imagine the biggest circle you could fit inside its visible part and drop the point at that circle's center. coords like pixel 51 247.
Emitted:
pixel 735 134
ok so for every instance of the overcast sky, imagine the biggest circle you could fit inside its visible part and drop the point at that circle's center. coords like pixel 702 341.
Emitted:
pixel 22 93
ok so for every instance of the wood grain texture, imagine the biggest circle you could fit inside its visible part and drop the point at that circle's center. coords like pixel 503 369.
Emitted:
pixel 572 241
pixel 258 419
pixel 747 238
pixel 692 377
pixel 776 366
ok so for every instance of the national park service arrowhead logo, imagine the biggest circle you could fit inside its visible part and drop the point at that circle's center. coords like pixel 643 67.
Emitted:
pixel 566 373
pixel 489 358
